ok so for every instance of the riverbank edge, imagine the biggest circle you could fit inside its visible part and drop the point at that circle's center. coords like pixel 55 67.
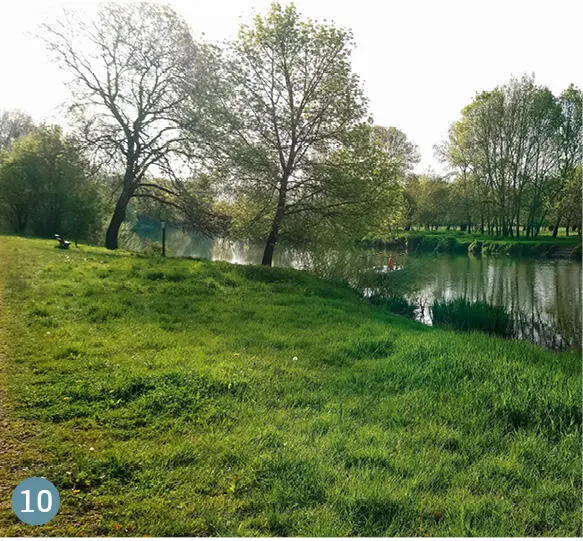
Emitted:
pixel 451 243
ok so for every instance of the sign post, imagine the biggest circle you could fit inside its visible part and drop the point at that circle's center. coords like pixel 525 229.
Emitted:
pixel 163 223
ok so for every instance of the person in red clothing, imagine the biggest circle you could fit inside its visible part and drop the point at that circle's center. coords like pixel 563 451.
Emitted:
pixel 391 264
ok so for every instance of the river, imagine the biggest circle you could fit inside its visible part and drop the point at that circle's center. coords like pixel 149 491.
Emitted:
pixel 542 296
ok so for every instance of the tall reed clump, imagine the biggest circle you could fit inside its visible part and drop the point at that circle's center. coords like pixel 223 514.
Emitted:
pixel 472 316
pixel 395 304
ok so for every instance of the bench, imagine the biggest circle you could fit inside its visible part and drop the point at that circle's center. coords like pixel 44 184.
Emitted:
pixel 63 244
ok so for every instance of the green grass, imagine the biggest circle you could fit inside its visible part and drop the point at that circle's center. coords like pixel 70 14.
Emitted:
pixel 181 397
pixel 457 241
pixel 543 236
pixel 453 241
pixel 464 315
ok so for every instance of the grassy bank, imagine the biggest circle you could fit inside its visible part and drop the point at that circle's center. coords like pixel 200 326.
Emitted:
pixel 181 397
pixel 543 246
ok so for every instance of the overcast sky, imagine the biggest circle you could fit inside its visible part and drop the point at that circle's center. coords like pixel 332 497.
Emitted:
pixel 420 61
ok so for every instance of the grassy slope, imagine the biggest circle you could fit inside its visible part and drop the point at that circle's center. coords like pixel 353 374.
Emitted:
pixel 166 399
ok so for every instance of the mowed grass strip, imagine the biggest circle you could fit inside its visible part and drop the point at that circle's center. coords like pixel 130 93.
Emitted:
pixel 184 397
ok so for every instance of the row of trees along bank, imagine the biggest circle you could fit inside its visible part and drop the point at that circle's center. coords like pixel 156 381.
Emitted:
pixel 516 153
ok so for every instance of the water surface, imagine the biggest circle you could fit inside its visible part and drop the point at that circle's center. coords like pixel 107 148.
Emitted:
pixel 543 296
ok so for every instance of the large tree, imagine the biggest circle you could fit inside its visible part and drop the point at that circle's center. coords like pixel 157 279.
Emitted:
pixel 569 139
pixel 129 68
pixel 286 100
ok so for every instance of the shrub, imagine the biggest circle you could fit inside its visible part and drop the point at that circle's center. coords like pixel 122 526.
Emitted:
pixel 467 316
pixel 397 305
pixel 152 249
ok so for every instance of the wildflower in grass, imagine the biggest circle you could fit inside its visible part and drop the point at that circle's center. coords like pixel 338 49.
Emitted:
pixel 66 398
pixel 117 526
pixel 76 491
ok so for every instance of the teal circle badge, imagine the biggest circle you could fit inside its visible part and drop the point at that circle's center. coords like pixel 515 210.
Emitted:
pixel 35 501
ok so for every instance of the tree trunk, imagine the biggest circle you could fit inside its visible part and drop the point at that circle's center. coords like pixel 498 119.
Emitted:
pixel 278 218
pixel 270 245
pixel 556 228
pixel 119 214
pixel 517 225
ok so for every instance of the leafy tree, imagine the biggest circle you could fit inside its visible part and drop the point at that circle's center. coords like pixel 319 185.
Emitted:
pixel 432 202
pixel 541 178
pixel 285 105
pixel 409 209
pixel 130 68
pixel 13 124
pixel 47 187
pixel 398 148
pixel 569 139
pixel 358 193
pixel 457 152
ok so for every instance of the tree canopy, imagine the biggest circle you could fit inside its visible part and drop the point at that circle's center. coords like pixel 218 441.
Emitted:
pixel 13 124
pixel 288 113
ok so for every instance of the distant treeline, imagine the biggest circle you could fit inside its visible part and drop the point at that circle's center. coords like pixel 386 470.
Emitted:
pixel 47 185
pixel 516 157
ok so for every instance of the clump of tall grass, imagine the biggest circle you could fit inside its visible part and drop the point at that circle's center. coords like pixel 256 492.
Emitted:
pixel 472 316
pixel 394 304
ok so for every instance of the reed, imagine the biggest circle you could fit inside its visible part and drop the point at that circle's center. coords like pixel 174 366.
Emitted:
pixel 464 315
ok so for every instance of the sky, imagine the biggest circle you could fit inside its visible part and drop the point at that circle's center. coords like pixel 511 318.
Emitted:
pixel 420 61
